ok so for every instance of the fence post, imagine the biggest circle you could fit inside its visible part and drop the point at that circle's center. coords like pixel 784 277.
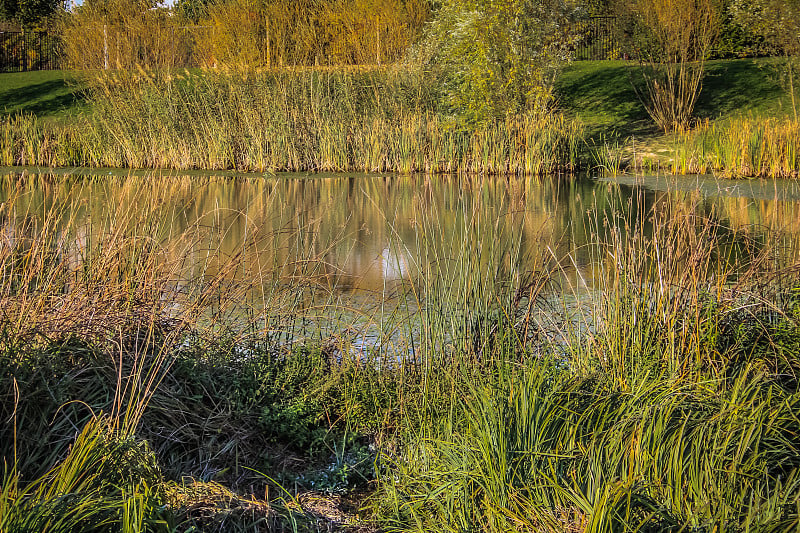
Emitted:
pixel 105 46
pixel 24 50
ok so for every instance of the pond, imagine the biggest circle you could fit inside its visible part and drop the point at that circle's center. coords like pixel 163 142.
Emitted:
pixel 351 245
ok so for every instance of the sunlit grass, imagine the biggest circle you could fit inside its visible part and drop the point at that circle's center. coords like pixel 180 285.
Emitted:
pixel 741 147
pixel 370 120
pixel 669 403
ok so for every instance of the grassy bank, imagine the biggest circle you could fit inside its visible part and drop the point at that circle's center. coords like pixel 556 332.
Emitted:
pixel 367 119
pixel 765 148
pixel 140 397
pixel 600 94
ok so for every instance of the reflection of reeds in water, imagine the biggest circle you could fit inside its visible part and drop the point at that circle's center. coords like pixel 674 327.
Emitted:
pixel 344 221
pixel 83 258
pixel 372 120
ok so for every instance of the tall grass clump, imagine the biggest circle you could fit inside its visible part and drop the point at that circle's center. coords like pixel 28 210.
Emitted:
pixel 292 120
pixel 140 358
pixel 741 147
pixel 666 402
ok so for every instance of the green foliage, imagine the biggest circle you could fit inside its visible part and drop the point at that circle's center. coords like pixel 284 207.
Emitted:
pixel 192 11
pixel 552 451
pixel 107 482
pixel 498 57
pixel 778 23
pixel 29 13
pixel 49 380
pixel 673 407
pixel 764 337
pixel 736 39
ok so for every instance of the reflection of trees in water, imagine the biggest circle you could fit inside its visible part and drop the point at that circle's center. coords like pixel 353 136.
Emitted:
pixel 335 232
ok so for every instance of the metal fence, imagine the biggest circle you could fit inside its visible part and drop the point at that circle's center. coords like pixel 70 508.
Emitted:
pixel 31 50
pixel 599 39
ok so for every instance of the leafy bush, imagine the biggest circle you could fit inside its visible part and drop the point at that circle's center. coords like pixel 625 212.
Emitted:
pixel 498 57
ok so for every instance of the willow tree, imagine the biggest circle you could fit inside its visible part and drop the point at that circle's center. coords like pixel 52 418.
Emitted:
pixel 672 40
pixel 498 57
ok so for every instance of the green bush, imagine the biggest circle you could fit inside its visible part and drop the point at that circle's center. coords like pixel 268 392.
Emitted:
pixel 495 58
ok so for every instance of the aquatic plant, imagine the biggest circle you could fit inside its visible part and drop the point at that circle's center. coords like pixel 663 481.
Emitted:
pixel 645 416
pixel 742 147
pixel 145 392
pixel 296 120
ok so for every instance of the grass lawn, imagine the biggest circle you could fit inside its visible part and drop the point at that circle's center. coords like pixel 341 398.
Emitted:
pixel 54 94
pixel 601 94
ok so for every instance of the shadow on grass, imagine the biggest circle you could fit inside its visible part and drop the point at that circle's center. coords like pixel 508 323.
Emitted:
pixel 601 93
pixel 51 97
pixel 740 86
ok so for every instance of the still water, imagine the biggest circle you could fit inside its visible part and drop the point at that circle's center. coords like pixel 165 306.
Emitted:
pixel 360 238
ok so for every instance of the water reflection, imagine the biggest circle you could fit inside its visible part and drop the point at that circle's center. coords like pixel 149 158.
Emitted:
pixel 368 233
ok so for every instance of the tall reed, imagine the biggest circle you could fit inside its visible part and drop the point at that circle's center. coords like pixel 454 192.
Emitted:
pixel 741 147
pixel 96 310
pixel 298 120
pixel 666 400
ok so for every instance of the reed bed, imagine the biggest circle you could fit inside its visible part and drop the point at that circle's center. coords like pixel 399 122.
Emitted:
pixel 293 120
pixel 741 147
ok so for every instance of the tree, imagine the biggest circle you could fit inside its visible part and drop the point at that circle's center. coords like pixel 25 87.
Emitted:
pixel 778 22
pixel 122 34
pixel 29 13
pixel 672 40
pixel 496 57
pixel 192 10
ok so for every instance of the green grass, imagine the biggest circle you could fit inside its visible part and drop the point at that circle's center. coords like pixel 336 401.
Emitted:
pixel 51 94
pixel 643 421
pixel 740 92
pixel 743 87
pixel 601 95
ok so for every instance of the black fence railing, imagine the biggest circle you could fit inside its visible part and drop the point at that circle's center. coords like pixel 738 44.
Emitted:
pixel 30 50
pixel 599 40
